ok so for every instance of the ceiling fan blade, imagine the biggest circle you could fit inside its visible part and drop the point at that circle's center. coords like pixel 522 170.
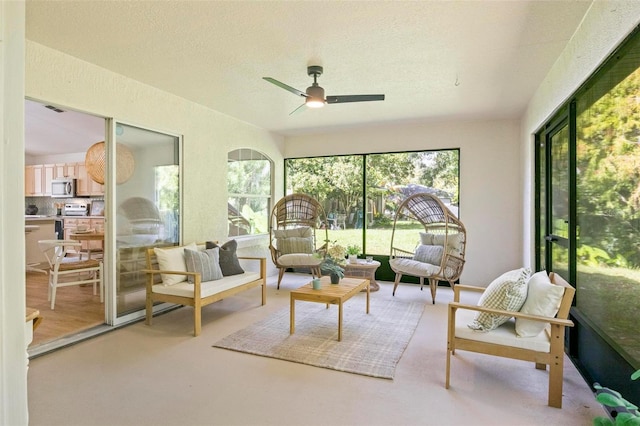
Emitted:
pixel 285 87
pixel 353 98
pixel 299 109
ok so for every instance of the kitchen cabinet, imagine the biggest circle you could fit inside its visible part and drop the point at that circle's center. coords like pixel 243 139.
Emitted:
pixel 71 223
pixel 29 187
pixel 38 177
pixel 86 185
pixel 48 174
pixel 64 170
pixel 45 231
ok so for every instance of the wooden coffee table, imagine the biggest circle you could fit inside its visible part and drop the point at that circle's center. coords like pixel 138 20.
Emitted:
pixel 331 294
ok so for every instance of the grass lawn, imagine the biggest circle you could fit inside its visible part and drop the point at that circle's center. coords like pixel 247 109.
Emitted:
pixel 378 240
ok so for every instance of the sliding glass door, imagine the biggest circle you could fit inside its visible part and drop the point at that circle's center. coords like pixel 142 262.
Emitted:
pixel 145 210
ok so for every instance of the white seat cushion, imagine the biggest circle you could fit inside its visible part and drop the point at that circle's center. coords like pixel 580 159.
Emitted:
pixel 207 288
pixel 405 266
pixel 505 334
pixel 299 259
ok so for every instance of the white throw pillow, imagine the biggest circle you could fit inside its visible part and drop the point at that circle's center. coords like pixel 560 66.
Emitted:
pixel 508 293
pixel 543 299
pixel 454 241
pixel 426 238
pixel 172 259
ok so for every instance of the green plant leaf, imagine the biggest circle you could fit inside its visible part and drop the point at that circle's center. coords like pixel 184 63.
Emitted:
pixel 610 400
pixel 602 421
pixel 627 419
pixel 635 375
pixel 630 406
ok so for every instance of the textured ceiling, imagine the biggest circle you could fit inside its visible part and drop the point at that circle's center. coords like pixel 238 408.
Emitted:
pixel 432 59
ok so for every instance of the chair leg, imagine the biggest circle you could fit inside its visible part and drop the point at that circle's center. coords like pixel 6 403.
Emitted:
pixel 433 285
pixel 280 274
pixel 197 319
pixel 556 366
pixel 52 289
pixel 450 344
pixel 421 283
pixel 149 309
pixel 395 283
pixel 49 288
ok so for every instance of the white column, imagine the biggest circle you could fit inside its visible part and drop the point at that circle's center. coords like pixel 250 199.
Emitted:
pixel 13 355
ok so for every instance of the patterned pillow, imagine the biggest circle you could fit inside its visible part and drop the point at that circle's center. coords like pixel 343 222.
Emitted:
pixel 205 262
pixel 508 293
pixel 429 254
pixel 543 298
pixel 295 245
pixel 229 263
pixel 294 240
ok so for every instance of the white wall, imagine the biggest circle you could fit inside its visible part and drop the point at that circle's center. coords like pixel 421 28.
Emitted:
pixel 490 180
pixel 603 28
pixel 13 356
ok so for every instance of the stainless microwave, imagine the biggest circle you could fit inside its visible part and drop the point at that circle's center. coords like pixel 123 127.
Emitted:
pixel 63 188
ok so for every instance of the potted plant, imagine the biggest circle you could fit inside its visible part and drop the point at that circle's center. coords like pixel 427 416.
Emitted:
pixel 333 268
pixel 333 263
pixel 353 250
pixel 622 411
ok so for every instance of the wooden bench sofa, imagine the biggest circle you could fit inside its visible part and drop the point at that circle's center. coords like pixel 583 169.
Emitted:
pixel 198 293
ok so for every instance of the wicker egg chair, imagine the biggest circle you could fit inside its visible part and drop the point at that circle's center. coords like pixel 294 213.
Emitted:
pixel 439 256
pixel 293 242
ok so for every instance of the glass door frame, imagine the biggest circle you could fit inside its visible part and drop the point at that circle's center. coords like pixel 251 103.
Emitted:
pixel 544 260
pixel 110 267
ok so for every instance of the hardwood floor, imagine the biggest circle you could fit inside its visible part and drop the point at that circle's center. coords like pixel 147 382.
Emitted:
pixel 76 309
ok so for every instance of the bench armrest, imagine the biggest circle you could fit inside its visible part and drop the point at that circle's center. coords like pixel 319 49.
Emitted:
pixel 159 271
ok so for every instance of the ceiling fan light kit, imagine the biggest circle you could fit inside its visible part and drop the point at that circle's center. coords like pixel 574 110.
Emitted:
pixel 314 95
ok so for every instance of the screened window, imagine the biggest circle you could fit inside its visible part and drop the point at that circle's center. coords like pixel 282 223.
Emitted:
pixel 249 183
pixel 608 204
pixel 360 193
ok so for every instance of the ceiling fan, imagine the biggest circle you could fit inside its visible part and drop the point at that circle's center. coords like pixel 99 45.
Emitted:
pixel 314 96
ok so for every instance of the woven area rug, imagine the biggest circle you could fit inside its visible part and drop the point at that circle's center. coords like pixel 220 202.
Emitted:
pixel 371 344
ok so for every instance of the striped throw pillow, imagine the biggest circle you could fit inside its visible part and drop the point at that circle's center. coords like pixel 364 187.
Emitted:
pixel 205 262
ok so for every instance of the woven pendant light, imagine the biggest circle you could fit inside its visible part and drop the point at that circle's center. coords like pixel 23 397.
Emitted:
pixel 94 161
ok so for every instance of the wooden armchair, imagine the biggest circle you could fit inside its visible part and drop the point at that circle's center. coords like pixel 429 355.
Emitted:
pixel 546 348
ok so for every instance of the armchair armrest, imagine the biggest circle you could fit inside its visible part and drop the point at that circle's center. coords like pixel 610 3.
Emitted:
pixel 400 252
pixel 556 321
pixel 459 287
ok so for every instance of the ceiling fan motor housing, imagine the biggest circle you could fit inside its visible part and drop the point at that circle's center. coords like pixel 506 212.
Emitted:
pixel 315 91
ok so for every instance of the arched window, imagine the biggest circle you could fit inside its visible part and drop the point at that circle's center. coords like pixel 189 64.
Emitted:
pixel 249 183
